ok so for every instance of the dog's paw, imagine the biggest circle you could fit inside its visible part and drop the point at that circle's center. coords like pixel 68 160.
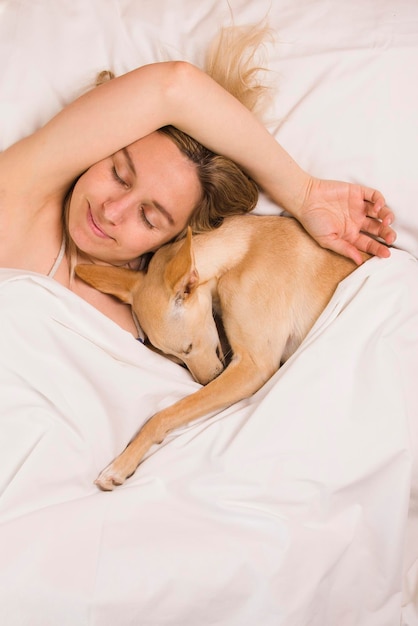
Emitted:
pixel 112 476
pixel 108 480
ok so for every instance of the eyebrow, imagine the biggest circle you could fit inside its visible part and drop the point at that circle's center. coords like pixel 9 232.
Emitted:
pixel 157 205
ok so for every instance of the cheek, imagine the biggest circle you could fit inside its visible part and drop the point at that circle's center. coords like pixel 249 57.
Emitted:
pixel 93 182
pixel 137 242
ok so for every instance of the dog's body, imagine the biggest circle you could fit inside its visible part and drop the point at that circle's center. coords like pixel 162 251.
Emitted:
pixel 268 281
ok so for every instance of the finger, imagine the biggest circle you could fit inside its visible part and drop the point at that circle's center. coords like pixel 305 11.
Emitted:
pixel 380 229
pixel 386 215
pixel 362 244
pixel 387 234
pixel 372 246
pixel 375 198
pixel 383 213
pixel 373 226
pixel 343 247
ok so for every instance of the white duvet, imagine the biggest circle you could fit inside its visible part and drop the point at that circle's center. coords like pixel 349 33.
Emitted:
pixel 298 507
pixel 291 508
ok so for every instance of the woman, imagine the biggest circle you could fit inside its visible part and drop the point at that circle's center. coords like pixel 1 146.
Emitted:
pixel 137 185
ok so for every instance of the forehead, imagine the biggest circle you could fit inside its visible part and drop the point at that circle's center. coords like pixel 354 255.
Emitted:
pixel 162 167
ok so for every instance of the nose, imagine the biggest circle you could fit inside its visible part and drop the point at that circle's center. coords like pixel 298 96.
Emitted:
pixel 115 210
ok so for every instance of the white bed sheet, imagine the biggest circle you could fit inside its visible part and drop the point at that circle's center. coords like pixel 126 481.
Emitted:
pixel 290 508
pixel 297 507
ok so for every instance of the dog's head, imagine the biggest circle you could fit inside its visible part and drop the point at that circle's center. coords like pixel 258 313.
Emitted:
pixel 172 307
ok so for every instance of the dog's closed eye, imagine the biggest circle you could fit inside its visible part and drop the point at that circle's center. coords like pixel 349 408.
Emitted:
pixel 188 349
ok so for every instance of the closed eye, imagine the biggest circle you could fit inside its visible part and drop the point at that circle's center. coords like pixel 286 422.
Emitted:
pixel 144 218
pixel 118 179
pixel 188 350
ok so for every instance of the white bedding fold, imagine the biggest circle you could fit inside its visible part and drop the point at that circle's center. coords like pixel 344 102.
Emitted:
pixel 298 507
pixel 260 514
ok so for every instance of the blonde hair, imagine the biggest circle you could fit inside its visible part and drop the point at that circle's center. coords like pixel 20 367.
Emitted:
pixel 226 188
pixel 231 62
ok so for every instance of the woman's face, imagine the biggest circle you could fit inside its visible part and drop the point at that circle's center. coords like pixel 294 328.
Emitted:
pixel 134 201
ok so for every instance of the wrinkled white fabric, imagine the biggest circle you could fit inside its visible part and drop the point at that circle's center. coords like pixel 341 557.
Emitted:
pixel 289 508
pixel 298 507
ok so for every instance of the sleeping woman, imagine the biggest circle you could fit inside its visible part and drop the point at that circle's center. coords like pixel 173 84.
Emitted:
pixel 125 167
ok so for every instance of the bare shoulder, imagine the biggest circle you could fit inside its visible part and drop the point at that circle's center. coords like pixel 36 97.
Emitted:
pixel 30 224
pixel 20 172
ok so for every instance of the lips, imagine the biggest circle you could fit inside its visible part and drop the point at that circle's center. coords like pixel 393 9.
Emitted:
pixel 97 230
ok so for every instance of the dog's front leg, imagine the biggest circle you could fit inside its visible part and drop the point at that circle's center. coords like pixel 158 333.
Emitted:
pixel 242 378
pixel 126 463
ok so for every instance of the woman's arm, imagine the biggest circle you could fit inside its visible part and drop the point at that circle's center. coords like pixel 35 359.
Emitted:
pixel 341 216
pixel 135 104
pixel 94 126
pixel 129 107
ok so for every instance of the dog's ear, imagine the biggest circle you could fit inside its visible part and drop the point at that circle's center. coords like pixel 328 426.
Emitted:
pixel 117 281
pixel 181 275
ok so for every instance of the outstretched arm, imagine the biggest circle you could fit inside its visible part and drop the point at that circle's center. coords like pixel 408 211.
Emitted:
pixel 129 107
pixel 344 217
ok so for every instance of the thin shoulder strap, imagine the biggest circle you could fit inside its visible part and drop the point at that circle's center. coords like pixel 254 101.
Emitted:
pixel 58 260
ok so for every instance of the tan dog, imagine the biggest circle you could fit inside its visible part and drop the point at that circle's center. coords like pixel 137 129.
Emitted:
pixel 266 278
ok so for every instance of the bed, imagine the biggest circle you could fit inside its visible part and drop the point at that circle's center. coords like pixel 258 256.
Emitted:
pixel 296 507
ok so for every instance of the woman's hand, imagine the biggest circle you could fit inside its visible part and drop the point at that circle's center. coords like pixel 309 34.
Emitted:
pixel 347 218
